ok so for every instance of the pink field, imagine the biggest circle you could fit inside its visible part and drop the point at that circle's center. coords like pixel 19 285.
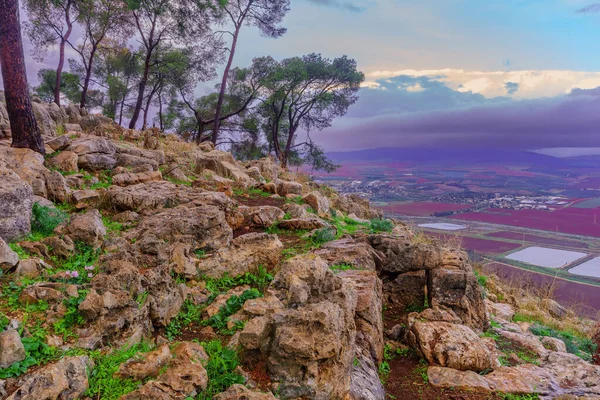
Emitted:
pixel 578 221
pixel 538 239
pixel 483 246
pixel 421 209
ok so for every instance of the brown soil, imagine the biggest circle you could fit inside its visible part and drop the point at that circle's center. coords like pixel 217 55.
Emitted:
pixel 255 365
pixel 407 381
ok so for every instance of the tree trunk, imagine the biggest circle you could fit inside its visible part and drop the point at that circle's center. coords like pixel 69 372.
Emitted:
pixel 147 109
pixel 61 57
pixel 160 111
pixel 216 123
pixel 88 75
pixel 23 126
pixel 141 90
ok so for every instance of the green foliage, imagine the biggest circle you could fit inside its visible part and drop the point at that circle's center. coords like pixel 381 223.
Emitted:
pixel 23 255
pixel 260 280
pixel 190 313
pixel 69 85
pixel 296 200
pixel 381 225
pixel 342 267
pixel 82 262
pixel 510 396
pixel 287 217
pixel 220 369
pixel 199 253
pixel 44 220
pixel 112 226
pixel 495 324
pixel 518 317
pixel 102 383
pixel 232 305
pixel 417 307
pixel 4 321
pixel 322 236
pixel 482 279
pixel 71 318
pixel 37 352
pixel 355 362
pixel 580 346
pixel 105 181
pixel 12 291
pixel 384 372
pixel 141 298
pixel 178 181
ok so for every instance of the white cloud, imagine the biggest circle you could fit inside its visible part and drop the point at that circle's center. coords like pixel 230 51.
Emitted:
pixel 532 83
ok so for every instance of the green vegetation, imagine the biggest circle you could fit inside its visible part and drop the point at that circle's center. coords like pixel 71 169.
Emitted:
pixel 381 225
pixel 23 255
pixel 342 267
pixel 220 369
pixel 580 346
pixel 509 396
pixel 417 307
pixel 112 226
pixel 37 352
pixel 80 266
pixel 178 181
pixel 296 200
pixel 71 318
pixel 322 236
pixel 44 220
pixel 232 305
pixel 190 313
pixel 12 291
pixel 260 281
pixel 102 383
pixel 251 192
pixel 4 321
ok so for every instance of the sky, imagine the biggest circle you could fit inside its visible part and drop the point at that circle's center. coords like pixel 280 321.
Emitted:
pixel 475 73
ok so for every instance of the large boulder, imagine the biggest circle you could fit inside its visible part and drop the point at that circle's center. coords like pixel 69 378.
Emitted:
pixel 223 164
pixel 311 341
pixel 11 348
pixel 451 345
pixel 94 153
pixel 16 201
pixel 57 187
pixel 28 165
pixel 153 194
pixel 245 254
pixel 66 379
pixel 8 258
pixel 87 228
pixel 354 204
pixel 241 392
pixel 64 161
pixel 202 226
pixel 349 251
pixel 318 202
pixel 402 254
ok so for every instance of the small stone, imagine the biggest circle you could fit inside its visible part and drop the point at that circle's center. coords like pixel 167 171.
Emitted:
pixel 11 348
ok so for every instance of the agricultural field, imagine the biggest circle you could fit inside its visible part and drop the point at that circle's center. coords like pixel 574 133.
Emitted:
pixel 577 221
pixel 523 237
pixel 546 257
pixel 588 268
pixel 481 246
pixel 589 203
pixel 443 226
pixel 421 208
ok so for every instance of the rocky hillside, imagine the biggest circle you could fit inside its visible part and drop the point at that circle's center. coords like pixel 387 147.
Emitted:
pixel 138 266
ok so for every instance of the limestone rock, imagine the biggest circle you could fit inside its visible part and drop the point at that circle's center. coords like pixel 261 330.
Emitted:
pixel 16 201
pixel 87 228
pixel 554 344
pixel 318 202
pixel 296 224
pixel 407 290
pixel 262 216
pixel 28 165
pixel 59 142
pixel 451 378
pixel 150 195
pixel 500 310
pixel 285 188
pixel 66 379
pixel 132 178
pixel 147 365
pixel 245 254
pixel 96 161
pixel 65 161
pixel 57 187
pixel 11 348
pixel 522 379
pixel 223 164
pixel 450 345
pixel 241 392
pixel 349 251
pixel 8 258
pixel 136 162
pixel 202 226
pixel 354 204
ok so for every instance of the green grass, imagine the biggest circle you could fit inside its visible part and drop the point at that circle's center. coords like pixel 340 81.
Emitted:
pixel 71 318
pixel 83 261
pixel 260 280
pixel 232 305
pixel 580 346
pixel 23 255
pixel 296 200
pixel 112 226
pixel 4 321
pixel 509 396
pixel 44 220
pixel 189 313
pixel 178 181
pixel 102 384
pixel 252 192
pixel 381 225
pixel 342 267
pixel 37 352
pixel 220 369
pixel 12 291
pixel 322 236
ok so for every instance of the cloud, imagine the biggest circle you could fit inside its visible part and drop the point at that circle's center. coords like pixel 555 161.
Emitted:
pixel 592 8
pixel 353 6
pixel 532 83
pixel 511 87
pixel 394 116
